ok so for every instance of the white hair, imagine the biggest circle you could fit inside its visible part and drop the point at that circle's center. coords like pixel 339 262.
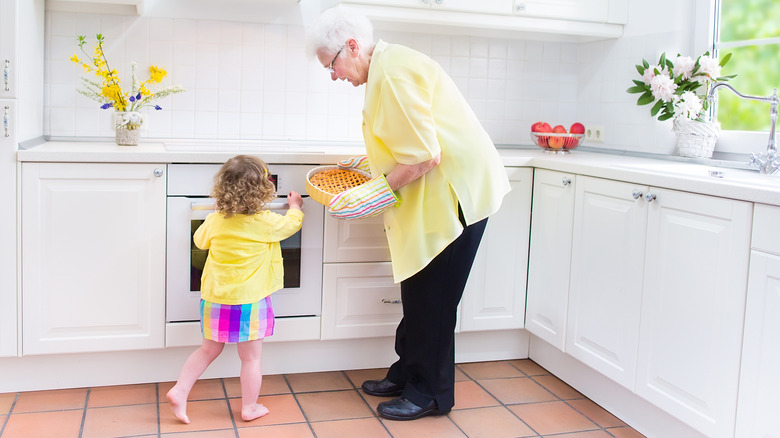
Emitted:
pixel 334 27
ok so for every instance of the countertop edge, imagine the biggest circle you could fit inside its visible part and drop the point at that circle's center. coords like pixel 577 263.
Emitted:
pixel 737 184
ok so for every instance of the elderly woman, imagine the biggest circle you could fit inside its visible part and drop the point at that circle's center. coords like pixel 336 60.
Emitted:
pixel 437 178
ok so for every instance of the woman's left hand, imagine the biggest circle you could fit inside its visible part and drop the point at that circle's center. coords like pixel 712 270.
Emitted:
pixel 368 199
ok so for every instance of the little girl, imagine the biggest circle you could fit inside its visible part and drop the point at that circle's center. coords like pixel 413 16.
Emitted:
pixel 243 268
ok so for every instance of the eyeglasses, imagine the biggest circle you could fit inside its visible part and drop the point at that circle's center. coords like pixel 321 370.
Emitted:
pixel 330 67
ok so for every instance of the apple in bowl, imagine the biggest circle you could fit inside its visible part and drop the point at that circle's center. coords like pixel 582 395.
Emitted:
pixel 543 127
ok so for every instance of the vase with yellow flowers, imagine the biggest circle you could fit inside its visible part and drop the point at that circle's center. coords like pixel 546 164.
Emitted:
pixel 107 90
pixel 677 87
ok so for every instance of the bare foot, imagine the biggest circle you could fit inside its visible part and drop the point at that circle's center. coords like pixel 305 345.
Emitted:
pixel 253 412
pixel 178 402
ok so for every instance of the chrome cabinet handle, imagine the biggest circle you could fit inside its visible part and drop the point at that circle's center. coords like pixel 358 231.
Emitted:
pixel 386 301
pixel 6 72
pixel 566 181
pixel 636 194
pixel 158 172
pixel 650 197
pixel 6 130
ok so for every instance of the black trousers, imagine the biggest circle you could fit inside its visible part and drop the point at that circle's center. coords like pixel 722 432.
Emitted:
pixel 424 339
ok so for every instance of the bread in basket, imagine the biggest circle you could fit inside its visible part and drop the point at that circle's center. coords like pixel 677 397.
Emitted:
pixel 324 182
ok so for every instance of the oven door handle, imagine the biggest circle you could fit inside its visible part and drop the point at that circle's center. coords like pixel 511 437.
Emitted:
pixel 208 205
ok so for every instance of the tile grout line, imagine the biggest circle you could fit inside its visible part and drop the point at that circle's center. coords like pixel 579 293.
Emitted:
pixel 295 397
pixel 84 414
pixel 504 404
pixel 374 413
pixel 8 416
pixel 157 400
pixel 230 411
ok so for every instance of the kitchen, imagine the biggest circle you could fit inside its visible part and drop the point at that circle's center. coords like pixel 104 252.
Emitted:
pixel 249 88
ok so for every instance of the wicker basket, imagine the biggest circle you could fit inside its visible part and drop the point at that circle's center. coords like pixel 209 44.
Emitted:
pixel 322 196
pixel 695 139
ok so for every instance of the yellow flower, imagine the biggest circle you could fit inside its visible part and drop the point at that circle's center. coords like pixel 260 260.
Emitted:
pixel 144 91
pixel 75 59
pixel 157 74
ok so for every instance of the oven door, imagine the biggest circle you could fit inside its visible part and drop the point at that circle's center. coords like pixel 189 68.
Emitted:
pixel 302 254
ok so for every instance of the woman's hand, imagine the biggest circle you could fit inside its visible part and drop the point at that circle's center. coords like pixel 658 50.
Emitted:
pixel 294 200
pixel 403 174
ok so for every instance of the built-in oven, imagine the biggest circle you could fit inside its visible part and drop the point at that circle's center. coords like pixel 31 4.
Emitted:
pixel 189 186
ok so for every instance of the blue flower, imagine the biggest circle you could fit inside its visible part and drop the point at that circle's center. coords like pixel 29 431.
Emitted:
pixel 157 107
pixel 106 105
pixel 138 97
pixel 132 99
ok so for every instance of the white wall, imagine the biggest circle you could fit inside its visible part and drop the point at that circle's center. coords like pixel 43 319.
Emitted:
pixel 250 80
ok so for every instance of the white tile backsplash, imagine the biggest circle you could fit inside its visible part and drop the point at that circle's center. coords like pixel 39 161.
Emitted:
pixel 251 81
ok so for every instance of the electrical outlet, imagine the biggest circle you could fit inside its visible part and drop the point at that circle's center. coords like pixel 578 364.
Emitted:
pixel 594 134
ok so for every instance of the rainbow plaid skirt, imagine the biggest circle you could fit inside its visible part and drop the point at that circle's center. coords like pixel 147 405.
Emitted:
pixel 236 323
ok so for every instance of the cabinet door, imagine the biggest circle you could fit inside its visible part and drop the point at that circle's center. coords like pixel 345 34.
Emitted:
pixel 359 300
pixel 581 10
pixel 759 382
pixel 361 240
pixel 606 277
pixel 93 257
pixel 8 289
pixel 494 298
pixel 549 261
pixel 484 7
pixel 693 307
pixel 8 48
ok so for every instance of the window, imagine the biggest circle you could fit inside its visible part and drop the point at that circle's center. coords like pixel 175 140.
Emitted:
pixel 750 30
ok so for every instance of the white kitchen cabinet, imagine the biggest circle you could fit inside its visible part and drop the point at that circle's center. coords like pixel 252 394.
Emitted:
pixel 8 42
pixel 607 261
pixel 482 7
pixel 93 257
pixel 359 300
pixel 8 286
pixel 494 297
pixel 361 240
pixel 600 11
pixel 759 382
pixel 558 20
pixel 549 262
pixel 693 304
pixel 657 295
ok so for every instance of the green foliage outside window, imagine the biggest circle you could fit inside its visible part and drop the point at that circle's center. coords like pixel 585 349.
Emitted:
pixel 756 63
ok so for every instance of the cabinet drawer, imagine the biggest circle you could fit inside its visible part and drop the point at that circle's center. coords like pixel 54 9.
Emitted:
pixel 361 240
pixel 359 300
pixel 765 220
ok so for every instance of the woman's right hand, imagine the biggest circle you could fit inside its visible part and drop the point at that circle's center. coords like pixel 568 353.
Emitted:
pixel 294 200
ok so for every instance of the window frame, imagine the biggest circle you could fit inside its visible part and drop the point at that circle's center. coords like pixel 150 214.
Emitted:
pixel 705 29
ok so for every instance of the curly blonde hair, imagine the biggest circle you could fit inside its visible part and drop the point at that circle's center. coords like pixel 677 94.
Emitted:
pixel 242 186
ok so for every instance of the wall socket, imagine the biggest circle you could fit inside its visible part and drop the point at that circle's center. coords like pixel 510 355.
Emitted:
pixel 594 134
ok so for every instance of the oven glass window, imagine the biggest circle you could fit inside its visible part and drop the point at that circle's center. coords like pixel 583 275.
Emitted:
pixel 291 254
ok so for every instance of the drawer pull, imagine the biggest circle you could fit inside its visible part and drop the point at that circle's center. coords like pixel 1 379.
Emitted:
pixel 386 301
pixel 6 71
pixel 7 133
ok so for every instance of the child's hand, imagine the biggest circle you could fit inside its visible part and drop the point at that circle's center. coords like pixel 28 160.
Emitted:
pixel 294 200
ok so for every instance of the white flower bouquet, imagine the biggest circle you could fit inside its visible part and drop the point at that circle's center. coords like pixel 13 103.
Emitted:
pixel 675 85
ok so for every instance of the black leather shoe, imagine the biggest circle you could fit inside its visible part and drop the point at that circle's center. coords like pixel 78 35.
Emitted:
pixel 382 388
pixel 402 409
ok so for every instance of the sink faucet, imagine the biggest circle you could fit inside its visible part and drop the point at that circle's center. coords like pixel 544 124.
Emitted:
pixel 770 163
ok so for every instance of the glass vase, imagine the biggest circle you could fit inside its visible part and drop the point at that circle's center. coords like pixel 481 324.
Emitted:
pixel 128 127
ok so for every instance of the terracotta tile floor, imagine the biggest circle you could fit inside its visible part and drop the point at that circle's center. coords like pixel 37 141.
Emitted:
pixel 514 398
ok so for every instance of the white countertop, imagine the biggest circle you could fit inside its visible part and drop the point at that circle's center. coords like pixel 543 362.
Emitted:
pixel 746 185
